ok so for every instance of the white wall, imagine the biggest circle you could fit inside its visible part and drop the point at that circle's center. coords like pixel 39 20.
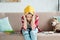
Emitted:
pixel 39 5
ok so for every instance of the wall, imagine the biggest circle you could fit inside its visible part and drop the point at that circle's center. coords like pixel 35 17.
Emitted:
pixel 39 5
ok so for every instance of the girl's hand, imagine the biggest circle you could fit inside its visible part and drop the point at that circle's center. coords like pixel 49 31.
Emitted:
pixel 33 22
pixel 25 23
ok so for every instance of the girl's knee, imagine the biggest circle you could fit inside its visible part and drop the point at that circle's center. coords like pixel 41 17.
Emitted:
pixel 25 32
pixel 34 31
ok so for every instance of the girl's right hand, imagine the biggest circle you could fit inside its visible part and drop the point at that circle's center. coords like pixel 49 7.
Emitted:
pixel 25 23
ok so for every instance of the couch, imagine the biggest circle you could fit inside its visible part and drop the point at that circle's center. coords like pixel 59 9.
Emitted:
pixel 44 24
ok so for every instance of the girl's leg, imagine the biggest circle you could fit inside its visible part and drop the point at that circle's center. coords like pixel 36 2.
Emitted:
pixel 33 34
pixel 26 34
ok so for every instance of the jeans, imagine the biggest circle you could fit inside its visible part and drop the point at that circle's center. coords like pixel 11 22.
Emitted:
pixel 30 34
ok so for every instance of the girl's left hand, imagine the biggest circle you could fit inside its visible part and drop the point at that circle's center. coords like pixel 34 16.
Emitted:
pixel 33 22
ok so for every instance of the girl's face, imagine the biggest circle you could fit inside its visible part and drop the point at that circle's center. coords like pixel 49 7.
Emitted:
pixel 29 17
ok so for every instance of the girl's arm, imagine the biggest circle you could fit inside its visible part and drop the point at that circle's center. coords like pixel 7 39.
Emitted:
pixel 37 21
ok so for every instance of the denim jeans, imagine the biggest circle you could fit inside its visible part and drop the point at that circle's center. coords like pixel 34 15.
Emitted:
pixel 30 34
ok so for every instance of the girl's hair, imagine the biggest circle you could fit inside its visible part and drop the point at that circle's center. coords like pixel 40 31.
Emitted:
pixel 30 13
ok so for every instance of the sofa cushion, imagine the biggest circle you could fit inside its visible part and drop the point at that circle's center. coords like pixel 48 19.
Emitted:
pixel 54 36
pixel 15 20
pixel 4 36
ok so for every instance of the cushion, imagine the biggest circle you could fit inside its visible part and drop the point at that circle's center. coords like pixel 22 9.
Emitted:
pixel 5 25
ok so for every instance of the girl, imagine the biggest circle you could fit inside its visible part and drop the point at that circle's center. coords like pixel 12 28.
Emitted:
pixel 29 24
